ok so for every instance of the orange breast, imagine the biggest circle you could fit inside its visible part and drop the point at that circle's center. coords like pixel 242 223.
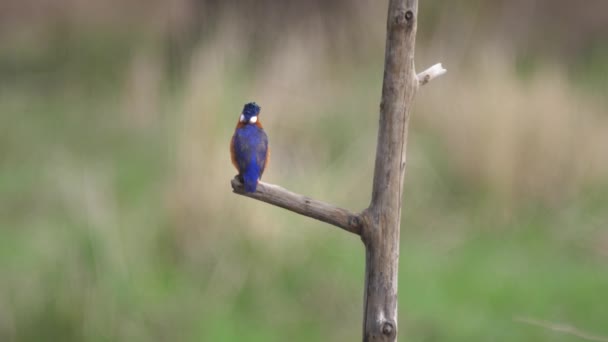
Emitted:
pixel 233 155
pixel 267 160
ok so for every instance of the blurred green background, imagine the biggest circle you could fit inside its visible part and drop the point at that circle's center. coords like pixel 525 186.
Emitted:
pixel 117 220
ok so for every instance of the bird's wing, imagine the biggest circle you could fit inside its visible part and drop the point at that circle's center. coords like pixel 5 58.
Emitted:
pixel 242 150
pixel 262 152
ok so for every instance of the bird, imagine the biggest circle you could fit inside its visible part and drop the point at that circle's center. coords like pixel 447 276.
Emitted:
pixel 249 147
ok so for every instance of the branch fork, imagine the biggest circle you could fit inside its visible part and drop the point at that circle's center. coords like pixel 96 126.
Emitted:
pixel 379 224
pixel 303 205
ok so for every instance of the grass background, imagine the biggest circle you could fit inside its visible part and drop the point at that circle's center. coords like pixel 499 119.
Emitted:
pixel 117 221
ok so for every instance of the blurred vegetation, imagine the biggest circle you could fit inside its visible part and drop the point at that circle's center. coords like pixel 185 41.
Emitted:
pixel 117 221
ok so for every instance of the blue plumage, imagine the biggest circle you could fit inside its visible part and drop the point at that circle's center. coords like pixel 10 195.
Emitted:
pixel 249 147
pixel 251 109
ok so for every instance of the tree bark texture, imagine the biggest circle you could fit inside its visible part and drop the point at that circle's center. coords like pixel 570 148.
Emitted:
pixel 381 221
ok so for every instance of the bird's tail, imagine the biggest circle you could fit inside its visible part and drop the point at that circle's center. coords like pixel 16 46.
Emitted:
pixel 250 178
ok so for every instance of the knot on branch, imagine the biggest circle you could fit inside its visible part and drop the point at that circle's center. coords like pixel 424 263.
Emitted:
pixel 404 18
pixel 409 15
pixel 388 329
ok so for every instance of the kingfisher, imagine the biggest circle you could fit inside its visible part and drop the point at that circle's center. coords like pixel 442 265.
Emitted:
pixel 249 147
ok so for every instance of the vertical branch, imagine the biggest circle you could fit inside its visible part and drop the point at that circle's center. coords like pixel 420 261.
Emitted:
pixel 380 231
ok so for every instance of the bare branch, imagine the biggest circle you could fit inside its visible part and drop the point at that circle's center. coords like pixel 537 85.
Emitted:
pixel 427 75
pixel 276 195
pixel 379 224
pixel 381 231
pixel 563 328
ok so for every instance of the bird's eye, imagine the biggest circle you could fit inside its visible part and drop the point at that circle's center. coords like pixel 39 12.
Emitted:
pixel 253 119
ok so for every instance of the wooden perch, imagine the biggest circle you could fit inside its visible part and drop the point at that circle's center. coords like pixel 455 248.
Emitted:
pixel 276 195
pixel 379 224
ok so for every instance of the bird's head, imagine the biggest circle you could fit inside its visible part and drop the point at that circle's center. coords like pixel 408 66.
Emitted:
pixel 250 113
